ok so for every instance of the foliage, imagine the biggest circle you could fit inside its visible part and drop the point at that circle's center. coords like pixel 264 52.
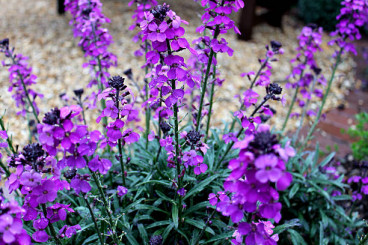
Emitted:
pixel 181 181
pixel 320 12
pixel 360 133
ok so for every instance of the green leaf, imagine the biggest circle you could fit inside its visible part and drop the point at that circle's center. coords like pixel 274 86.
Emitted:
pixel 143 233
pixel 327 159
pixel 218 237
pixel 167 232
pixel 131 239
pixel 175 215
pixel 200 186
pixel 164 197
pixel 149 207
pixel 288 224
pixel 196 207
pixel 92 238
pixel 159 223
pixel 293 190
pixel 199 224
pixel 296 238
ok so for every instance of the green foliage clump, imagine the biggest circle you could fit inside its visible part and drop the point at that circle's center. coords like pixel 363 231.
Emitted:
pixel 320 12
pixel 360 132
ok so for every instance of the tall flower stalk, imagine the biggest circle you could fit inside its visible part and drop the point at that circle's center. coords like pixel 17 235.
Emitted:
pixel 21 78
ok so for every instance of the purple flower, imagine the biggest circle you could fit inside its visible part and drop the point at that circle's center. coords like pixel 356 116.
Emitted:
pixel 40 236
pixel 69 231
pixel 122 191
pixel 47 192
pixel 58 212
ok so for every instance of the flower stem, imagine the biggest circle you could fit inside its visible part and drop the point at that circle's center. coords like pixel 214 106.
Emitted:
pixel 211 100
pixel 204 86
pixel 311 130
pixel 93 219
pixel 148 110
pixel 205 227
pixel 35 114
pixel 229 146
pixel 52 229
pixel 304 113
pixel 106 206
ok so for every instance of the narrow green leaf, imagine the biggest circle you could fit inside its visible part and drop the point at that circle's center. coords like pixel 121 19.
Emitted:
pixel 131 239
pixel 175 215
pixel 167 232
pixel 143 233
pixel 327 159
pixel 296 238
pixel 159 223
pixel 287 225
pixel 199 224
pixel 218 238
pixel 200 186
pixel 293 190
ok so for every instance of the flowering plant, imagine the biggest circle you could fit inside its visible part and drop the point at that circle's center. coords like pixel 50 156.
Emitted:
pixel 181 181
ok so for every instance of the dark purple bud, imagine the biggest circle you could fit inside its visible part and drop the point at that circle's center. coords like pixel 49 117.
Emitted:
pixel 78 92
pixel 86 11
pixel 32 151
pixel 70 174
pixel 117 82
pixel 165 127
pixel 4 43
pixel 273 89
pixel 264 141
pixel 129 73
pixel 275 46
pixel 160 11
pixel 52 117
pixel 193 137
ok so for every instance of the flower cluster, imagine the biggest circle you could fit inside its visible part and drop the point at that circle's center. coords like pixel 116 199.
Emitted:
pixel 353 15
pixel 138 17
pixel 59 133
pixel 94 40
pixel 118 108
pixel 305 70
pixel 20 78
pixel 256 176
pixel 11 225
pixel 361 189
pixel 37 176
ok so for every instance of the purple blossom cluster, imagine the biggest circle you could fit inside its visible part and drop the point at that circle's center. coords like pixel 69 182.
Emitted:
pixel 362 183
pixel 305 69
pixel 11 225
pixel 94 39
pixel 59 133
pixel 138 17
pixel 162 27
pixel 20 78
pixel 353 15
pixel 257 174
pixel 37 177
pixel 118 108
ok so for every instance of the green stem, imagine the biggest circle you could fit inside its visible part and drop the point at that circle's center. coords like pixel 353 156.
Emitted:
pixel 205 227
pixel 211 100
pixel 93 219
pixel 52 229
pixel 177 147
pixel 148 112
pixel 304 112
pixel 106 205
pixel 25 89
pixel 7 172
pixel 293 99
pixel 311 131
pixel 229 146
pixel 204 86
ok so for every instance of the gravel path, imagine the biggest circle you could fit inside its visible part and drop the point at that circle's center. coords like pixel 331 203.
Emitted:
pixel 35 29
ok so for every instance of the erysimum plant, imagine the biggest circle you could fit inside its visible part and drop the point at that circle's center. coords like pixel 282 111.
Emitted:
pixel 182 181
